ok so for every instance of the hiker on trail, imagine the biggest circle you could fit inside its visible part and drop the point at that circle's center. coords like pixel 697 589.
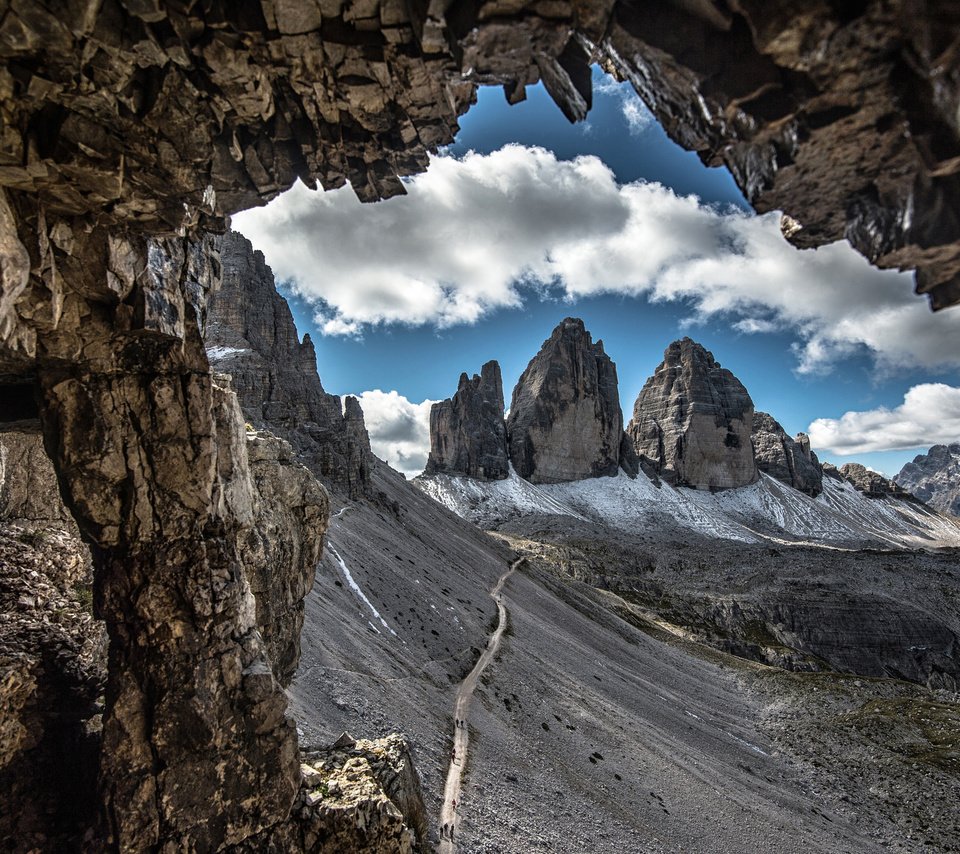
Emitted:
pixel 453 755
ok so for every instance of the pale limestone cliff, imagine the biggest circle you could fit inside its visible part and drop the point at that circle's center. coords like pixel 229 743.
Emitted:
pixel 692 421
pixel 565 421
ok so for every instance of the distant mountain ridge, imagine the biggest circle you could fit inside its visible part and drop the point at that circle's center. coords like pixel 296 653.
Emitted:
pixel 698 454
pixel 934 477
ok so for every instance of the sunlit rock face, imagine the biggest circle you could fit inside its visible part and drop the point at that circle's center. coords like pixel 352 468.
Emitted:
pixel 565 421
pixel 789 460
pixel 467 432
pixel 692 421
pixel 934 477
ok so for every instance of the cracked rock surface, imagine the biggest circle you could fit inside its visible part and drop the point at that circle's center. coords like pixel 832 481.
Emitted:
pixel 692 421
pixel 565 421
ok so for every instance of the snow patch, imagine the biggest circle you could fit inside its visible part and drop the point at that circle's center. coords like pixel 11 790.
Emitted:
pixel 216 354
pixel 768 510
pixel 356 589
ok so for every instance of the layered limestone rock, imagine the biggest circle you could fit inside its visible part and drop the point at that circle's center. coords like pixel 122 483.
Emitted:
pixel 468 435
pixel 790 461
pixel 871 483
pixel 197 750
pixel 934 477
pixel 28 484
pixel 692 421
pixel 282 547
pixel 251 335
pixel 839 115
pixel 565 421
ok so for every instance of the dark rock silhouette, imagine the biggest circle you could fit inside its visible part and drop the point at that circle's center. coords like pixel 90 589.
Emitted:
pixel 467 432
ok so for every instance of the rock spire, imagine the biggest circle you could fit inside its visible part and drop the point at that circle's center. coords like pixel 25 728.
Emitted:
pixel 790 461
pixel 467 431
pixel 692 421
pixel 251 335
pixel 565 420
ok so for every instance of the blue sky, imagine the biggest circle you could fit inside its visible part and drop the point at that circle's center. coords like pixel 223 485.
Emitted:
pixel 804 365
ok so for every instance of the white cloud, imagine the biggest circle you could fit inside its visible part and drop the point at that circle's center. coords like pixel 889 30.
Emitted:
pixel 635 112
pixel 478 233
pixel 399 429
pixel 929 415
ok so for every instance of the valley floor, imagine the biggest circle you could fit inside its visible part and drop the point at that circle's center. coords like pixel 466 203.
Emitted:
pixel 597 727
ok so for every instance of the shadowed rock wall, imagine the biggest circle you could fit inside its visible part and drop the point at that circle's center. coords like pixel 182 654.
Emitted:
pixel 467 431
pixel 565 421
pixel 251 335
pixel 790 461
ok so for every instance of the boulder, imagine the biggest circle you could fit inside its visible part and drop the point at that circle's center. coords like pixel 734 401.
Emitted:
pixel 790 461
pixel 467 432
pixel 692 421
pixel 565 420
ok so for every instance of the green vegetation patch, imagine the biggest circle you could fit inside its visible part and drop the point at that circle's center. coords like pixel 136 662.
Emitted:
pixel 924 730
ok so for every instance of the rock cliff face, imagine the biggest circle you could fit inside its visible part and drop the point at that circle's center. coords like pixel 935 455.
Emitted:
pixel 28 483
pixel 565 421
pixel 692 421
pixel 871 483
pixel 934 477
pixel 52 655
pixel 467 432
pixel 788 460
pixel 251 335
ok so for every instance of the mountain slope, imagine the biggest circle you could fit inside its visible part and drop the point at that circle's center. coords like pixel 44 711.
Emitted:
pixel 765 511
pixel 934 477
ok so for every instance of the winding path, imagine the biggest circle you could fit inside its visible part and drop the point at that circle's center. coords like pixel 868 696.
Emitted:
pixel 461 735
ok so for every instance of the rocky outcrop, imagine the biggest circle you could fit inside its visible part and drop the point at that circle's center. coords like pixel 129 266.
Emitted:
pixel 282 546
pixel 565 421
pixel 788 460
pixel 692 421
pixel 934 478
pixel 363 795
pixel 251 335
pixel 53 671
pixel 28 484
pixel 871 483
pixel 467 432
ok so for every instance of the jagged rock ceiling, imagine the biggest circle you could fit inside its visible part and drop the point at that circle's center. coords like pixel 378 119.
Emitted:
pixel 163 116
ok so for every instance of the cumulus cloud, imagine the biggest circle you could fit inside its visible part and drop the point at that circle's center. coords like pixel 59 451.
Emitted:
pixel 478 233
pixel 399 429
pixel 929 415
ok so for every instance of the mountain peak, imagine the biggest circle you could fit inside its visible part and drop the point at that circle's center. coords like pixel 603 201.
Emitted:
pixel 693 421
pixel 565 420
